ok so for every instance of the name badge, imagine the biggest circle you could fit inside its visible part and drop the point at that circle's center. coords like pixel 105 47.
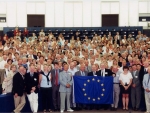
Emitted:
pixel 106 73
pixel 136 76
pixel 35 79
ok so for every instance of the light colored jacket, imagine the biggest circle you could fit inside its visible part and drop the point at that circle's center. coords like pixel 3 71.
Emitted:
pixel 7 83
pixel 146 82
pixel 65 78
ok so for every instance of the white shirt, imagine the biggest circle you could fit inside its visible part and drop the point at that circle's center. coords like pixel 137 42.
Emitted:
pixel 2 64
pixel 125 78
pixel 72 71
pixel 110 63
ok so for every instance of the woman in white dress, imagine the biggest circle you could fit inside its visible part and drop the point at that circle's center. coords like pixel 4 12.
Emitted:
pixel 125 80
pixel 7 83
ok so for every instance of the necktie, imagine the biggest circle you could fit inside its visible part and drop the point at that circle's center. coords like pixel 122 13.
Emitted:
pixel 56 78
pixel 148 80
pixel 145 71
pixel 82 73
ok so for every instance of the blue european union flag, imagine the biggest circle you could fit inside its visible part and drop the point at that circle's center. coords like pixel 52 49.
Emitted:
pixel 93 90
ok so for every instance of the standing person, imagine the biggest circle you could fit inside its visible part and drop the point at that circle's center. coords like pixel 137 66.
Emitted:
pixel 8 81
pixel 135 88
pixel 19 89
pixel 81 72
pixel 32 81
pixel 116 89
pixel 126 81
pixel 46 88
pixel 65 79
pixel 55 86
pixel 104 72
pixel 146 86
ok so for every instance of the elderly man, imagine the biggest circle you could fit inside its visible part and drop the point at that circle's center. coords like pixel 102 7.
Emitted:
pixel 135 89
pixel 146 86
pixel 81 72
pixel 19 89
pixel 32 81
pixel 116 89
pixel 65 79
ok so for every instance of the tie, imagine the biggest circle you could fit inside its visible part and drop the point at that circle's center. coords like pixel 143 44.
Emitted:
pixel 83 73
pixel 145 71
pixel 148 80
pixel 56 78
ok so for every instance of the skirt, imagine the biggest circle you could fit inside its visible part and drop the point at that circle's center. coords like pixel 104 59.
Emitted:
pixel 123 91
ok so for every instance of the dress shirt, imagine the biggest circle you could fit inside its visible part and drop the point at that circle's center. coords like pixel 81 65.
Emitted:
pixel 2 64
pixel 116 78
pixel 73 71
pixel 103 72
pixel 82 73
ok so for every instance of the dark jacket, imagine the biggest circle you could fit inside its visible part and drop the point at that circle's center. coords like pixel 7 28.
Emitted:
pixel 18 84
pixel 108 72
pixel 31 82
pixel 91 73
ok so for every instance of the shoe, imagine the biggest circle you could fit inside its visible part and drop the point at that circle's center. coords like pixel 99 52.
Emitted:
pixel 112 108
pixel 61 111
pixel 115 109
pixel 136 109
pixel 133 108
pixel 70 110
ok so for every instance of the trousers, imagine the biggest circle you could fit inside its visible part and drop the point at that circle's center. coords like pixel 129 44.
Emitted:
pixel 62 100
pixel 33 100
pixel 116 93
pixel 19 103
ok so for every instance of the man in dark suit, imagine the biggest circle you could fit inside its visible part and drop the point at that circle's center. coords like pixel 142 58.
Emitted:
pixel 32 81
pixel 19 89
pixel 104 72
pixel 81 72
pixel 55 86
pixel 93 73
pixel 142 72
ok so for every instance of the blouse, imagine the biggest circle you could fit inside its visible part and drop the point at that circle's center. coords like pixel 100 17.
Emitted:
pixel 125 78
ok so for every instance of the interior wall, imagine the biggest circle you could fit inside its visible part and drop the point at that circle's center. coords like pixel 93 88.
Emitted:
pixel 78 13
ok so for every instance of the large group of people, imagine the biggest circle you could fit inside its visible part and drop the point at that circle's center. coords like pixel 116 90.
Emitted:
pixel 46 64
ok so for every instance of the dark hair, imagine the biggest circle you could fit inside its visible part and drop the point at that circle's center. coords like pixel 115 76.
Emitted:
pixel 55 63
pixel 9 60
pixel 125 67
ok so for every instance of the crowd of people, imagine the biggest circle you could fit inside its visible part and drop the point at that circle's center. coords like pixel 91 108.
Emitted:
pixel 47 64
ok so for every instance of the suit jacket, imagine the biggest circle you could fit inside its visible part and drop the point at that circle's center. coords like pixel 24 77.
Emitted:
pixel 78 73
pixel 31 82
pixel 141 74
pixel 91 73
pixel 65 78
pixel 108 72
pixel 54 75
pixel 136 79
pixel 18 84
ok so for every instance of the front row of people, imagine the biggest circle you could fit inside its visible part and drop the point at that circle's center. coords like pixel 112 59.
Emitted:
pixel 59 83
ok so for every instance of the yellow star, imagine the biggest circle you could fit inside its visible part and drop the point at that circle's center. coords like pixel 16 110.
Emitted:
pixel 84 84
pixel 93 99
pixel 102 84
pixel 103 89
pixel 85 94
pixel 98 98
pixel 89 98
pixel 102 94
pixel 93 79
pixel 98 80
pixel 88 80
pixel 83 89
